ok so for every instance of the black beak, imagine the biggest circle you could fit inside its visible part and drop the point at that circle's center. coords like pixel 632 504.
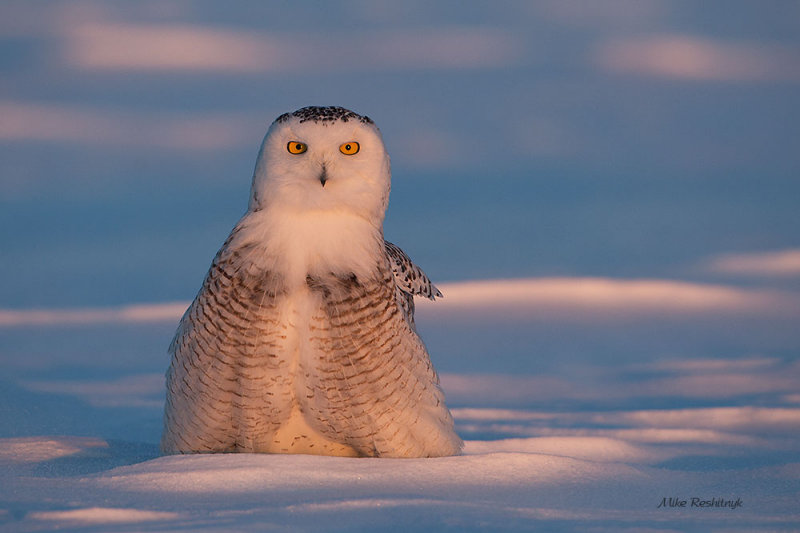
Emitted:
pixel 323 177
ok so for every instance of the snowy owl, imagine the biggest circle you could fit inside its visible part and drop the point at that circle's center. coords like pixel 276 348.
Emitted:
pixel 302 337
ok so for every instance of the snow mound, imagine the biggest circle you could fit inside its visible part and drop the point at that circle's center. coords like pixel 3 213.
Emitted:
pixel 103 515
pixel 233 473
pixel 38 449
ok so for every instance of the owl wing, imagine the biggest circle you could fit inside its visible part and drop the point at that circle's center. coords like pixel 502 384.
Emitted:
pixel 227 386
pixel 410 281
pixel 373 386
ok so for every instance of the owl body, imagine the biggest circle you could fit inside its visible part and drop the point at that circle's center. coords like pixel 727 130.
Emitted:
pixel 301 339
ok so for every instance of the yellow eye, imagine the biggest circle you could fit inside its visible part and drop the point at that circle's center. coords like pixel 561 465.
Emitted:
pixel 296 147
pixel 349 148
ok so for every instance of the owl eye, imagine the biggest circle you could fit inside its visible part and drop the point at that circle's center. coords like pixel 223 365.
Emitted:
pixel 296 147
pixel 350 148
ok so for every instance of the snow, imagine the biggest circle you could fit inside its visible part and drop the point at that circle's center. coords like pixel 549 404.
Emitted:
pixel 131 313
pixel 566 442
pixel 509 484
pixel 590 295
pixel 101 515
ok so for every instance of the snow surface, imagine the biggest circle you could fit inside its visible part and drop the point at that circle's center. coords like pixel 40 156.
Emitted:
pixel 570 443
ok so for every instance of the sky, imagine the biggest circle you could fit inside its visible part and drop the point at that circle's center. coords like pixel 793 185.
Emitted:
pixel 623 139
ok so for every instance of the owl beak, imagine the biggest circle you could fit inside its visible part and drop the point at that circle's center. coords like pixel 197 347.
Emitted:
pixel 323 176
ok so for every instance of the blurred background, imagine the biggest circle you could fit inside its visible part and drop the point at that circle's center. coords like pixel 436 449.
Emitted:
pixel 621 138
pixel 616 139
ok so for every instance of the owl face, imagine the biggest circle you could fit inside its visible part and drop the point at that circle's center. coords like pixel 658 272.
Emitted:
pixel 322 159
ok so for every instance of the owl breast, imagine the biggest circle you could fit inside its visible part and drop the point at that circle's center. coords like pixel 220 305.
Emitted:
pixel 301 243
pixel 298 431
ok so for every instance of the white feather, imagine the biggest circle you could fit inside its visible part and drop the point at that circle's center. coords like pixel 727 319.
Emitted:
pixel 300 340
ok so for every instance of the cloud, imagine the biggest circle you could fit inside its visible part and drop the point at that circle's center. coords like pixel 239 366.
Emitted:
pixel 27 121
pixel 171 48
pixel 783 263
pixel 694 58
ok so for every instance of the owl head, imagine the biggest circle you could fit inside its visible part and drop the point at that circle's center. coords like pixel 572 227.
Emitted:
pixel 322 158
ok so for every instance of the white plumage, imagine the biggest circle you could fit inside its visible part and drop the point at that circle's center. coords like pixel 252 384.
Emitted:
pixel 302 337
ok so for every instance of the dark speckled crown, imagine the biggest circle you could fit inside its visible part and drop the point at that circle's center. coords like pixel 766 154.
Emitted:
pixel 324 115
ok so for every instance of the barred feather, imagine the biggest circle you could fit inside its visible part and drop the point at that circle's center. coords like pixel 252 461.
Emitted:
pixel 373 383
pixel 301 338
pixel 250 374
pixel 410 281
